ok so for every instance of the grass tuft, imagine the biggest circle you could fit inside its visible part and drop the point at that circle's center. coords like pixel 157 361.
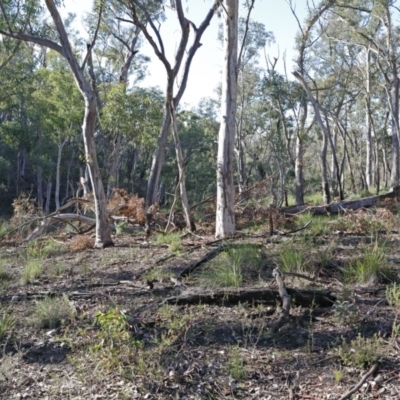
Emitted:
pixel 51 312
pixel 371 266
pixel 231 267
pixel 7 322
pixel 173 240
pixel 362 352
pixel 32 270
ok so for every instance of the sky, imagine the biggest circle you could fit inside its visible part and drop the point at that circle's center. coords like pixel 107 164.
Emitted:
pixel 205 73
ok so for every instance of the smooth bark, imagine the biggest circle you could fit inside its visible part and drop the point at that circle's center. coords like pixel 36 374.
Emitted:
pixel 225 216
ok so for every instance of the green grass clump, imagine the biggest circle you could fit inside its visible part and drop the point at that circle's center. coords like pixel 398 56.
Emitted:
pixel 51 312
pixel 318 226
pixel 5 229
pixel 236 365
pixel 291 259
pixel 231 267
pixel 393 295
pixel 32 270
pixel 7 322
pixel 314 199
pixel 362 352
pixel 372 265
pixel 173 240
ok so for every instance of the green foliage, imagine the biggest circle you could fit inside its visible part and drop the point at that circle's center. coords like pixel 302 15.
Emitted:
pixel 173 240
pixel 372 265
pixel 393 295
pixel 362 352
pixel 236 364
pixel 7 322
pixel 5 229
pixel 318 226
pixel 114 328
pixel 51 312
pixel 232 267
pixel 346 312
pixel 32 270
pixel 291 258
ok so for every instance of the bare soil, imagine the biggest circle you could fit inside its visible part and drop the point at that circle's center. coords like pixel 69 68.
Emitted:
pixel 197 351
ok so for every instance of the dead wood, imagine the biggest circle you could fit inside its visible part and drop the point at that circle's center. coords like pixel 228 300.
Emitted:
pixel 285 309
pixel 305 298
pixel 339 207
pixel 209 256
pixel 354 389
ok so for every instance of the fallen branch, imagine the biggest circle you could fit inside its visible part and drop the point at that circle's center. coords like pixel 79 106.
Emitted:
pixel 209 256
pixel 53 219
pixel 284 311
pixel 354 389
pixel 305 298
pixel 340 207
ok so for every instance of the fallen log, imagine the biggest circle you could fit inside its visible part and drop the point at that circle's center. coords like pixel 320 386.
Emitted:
pixel 305 298
pixel 53 219
pixel 337 208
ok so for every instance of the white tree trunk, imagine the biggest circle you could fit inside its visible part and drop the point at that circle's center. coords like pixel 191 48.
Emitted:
pixel 182 178
pixel 57 189
pixel 225 216
pixel 48 196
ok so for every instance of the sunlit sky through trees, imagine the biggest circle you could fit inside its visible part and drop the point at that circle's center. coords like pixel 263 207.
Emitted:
pixel 206 67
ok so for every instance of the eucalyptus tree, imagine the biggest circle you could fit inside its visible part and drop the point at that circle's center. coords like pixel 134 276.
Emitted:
pixel 305 40
pixel 373 24
pixel 225 215
pixel 18 22
pixel 17 74
pixel 132 117
pixel 57 120
pixel 171 99
pixel 119 66
pixel 253 37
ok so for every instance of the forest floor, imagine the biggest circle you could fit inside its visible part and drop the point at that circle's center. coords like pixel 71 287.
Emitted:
pixel 79 323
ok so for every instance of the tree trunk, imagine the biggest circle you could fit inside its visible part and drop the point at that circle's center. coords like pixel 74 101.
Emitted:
pixel 394 105
pixel 241 167
pixel 158 159
pixel 298 171
pixel 48 196
pixel 114 164
pixel 103 232
pixel 181 168
pixel 368 126
pixel 57 190
pixel 39 188
pixel 225 216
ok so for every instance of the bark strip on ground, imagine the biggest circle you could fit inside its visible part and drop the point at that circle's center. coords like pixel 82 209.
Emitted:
pixel 305 298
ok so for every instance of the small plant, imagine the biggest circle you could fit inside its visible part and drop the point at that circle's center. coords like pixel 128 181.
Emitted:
pixel 3 273
pixel 173 240
pixel 114 328
pixel 5 229
pixel 7 322
pixel 292 259
pixel 231 267
pixel 338 375
pixel 362 352
pixel 346 312
pixel 81 243
pixel 393 295
pixel 120 228
pixel 317 226
pixel 236 365
pixel 51 312
pixel 371 266
pixel 32 270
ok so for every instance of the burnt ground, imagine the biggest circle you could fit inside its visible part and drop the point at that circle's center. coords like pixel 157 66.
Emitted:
pixel 149 349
